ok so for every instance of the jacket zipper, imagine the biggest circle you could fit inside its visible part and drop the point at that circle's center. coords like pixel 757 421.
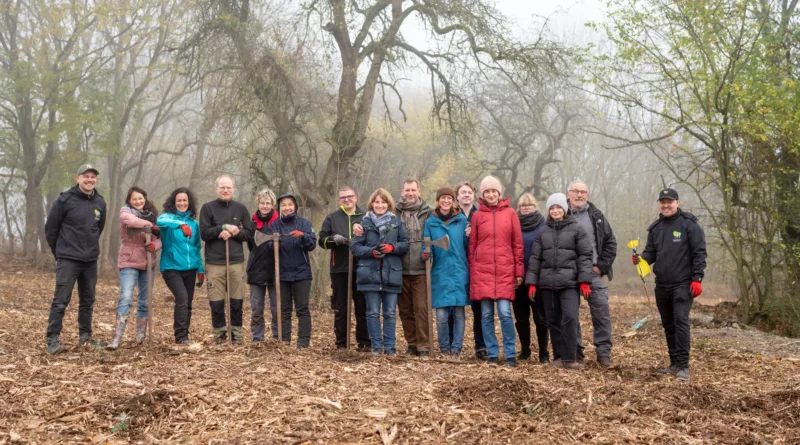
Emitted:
pixel 494 252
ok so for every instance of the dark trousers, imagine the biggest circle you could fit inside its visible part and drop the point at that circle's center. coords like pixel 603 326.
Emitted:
pixel 181 284
pixel 523 306
pixel 477 326
pixel 561 311
pixel 674 304
pixel 257 305
pixel 339 287
pixel 67 273
pixel 296 293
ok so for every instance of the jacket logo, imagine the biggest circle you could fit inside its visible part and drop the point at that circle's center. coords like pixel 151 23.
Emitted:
pixel 96 215
pixel 676 236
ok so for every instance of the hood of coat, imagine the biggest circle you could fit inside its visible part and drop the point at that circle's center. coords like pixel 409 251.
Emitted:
pixel 504 203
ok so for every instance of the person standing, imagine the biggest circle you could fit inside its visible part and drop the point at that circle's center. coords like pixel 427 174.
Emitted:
pixel 465 193
pixel 604 251
pixel 495 260
pixel 181 259
pixel 380 249
pixel 73 230
pixel 297 239
pixel 450 270
pixel 560 267
pixel 676 246
pixel 261 268
pixel 413 300
pixel 221 220
pixel 336 235
pixel 138 213
pixel 531 222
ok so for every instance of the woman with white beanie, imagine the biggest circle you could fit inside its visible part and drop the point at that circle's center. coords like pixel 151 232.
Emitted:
pixel 496 269
pixel 559 268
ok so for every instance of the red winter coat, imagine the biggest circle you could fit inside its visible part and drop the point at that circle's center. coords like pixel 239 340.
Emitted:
pixel 495 252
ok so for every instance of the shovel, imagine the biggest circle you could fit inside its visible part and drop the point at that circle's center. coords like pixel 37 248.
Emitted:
pixel 349 295
pixel 277 244
pixel 442 243
pixel 228 290
pixel 262 238
pixel 151 310
pixel 132 232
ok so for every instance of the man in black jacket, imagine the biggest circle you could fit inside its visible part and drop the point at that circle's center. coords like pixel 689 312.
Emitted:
pixel 336 233
pixel 221 220
pixel 73 230
pixel 604 251
pixel 677 245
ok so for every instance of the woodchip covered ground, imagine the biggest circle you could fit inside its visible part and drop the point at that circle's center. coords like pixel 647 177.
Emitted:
pixel 745 389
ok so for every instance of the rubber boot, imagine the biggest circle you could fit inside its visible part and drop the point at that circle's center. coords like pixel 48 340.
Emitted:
pixel 141 329
pixel 119 330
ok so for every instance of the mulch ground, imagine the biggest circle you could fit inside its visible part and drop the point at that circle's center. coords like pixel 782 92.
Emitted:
pixel 277 394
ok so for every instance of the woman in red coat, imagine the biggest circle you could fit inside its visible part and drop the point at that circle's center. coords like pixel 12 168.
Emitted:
pixel 496 269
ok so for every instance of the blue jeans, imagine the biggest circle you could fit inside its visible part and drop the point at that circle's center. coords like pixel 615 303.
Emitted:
pixel 447 344
pixel 128 279
pixel 506 328
pixel 386 342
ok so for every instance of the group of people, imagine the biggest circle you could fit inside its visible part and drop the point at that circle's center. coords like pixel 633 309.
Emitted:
pixel 498 259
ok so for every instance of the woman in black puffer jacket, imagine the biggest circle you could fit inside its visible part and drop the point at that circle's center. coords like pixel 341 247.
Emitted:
pixel 561 266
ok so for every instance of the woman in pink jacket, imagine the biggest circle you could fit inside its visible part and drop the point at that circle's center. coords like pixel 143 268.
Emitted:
pixel 138 213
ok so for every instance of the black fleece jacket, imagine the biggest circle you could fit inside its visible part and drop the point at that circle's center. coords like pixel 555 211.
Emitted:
pixel 213 215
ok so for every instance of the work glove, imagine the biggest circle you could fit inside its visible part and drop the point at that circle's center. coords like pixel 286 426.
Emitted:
pixel 425 256
pixel 586 290
pixel 201 278
pixel 297 233
pixel 387 248
pixel 150 247
pixel 187 231
pixel 696 288
pixel 377 253
pixel 531 291
pixel 635 259
pixel 156 231
pixel 339 239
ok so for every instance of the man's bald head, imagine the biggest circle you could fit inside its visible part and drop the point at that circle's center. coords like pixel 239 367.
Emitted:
pixel 578 194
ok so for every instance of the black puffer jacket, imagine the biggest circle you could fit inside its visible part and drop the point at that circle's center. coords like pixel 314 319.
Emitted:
pixel 562 256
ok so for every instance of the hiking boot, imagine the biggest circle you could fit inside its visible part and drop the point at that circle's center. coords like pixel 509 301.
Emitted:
pixel 524 355
pixel 511 362
pixel 573 366
pixel 605 362
pixel 220 335
pixel 555 363
pixel 364 348
pixel 683 374
pixel 492 360
pixel 422 354
pixel 412 350
pixel 183 341
pixel 673 369
pixel 87 340
pixel 545 359
pixel 119 331
pixel 446 352
pixel 141 329
pixel 236 335
pixel 53 346
pixel 455 353
pixel 482 355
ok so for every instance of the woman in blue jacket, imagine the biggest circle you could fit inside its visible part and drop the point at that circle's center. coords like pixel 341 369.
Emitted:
pixel 297 239
pixel 450 270
pixel 181 262
pixel 380 251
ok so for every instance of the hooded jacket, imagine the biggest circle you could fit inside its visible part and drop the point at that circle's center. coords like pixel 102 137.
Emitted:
pixel 178 252
pixel 562 256
pixel 677 246
pixel 450 271
pixel 213 215
pixel 495 252
pixel 74 225
pixel 132 253
pixel 604 240
pixel 294 262
pixel 380 274
pixel 339 223
pixel 261 262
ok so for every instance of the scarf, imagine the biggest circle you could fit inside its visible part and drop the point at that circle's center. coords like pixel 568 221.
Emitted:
pixel 446 217
pixel 530 221
pixel 381 222
pixel 410 218
pixel 142 214
pixel 260 221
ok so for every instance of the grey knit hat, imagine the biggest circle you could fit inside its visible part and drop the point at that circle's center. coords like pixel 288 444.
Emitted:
pixel 558 199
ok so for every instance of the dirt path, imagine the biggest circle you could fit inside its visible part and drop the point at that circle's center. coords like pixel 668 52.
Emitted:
pixel 740 393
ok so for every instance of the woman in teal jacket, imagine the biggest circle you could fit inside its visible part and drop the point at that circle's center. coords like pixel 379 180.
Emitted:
pixel 450 270
pixel 181 262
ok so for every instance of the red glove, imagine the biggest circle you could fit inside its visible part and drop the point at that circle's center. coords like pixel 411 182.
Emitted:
pixel 586 290
pixel 531 291
pixel 387 248
pixel 150 247
pixel 187 231
pixel 425 256
pixel 696 288
pixel 635 259
pixel 201 278
pixel 377 254
pixel 297 233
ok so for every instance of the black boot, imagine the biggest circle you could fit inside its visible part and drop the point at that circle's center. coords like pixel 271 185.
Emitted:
pixel 525 354
pixel 53 346
pixel 86 339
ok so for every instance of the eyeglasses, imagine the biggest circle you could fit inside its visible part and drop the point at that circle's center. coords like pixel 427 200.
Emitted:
pixel 346 197
pixel 580 192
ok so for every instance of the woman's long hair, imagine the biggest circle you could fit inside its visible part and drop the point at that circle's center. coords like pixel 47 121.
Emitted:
pixel 169 204
pixel 148 205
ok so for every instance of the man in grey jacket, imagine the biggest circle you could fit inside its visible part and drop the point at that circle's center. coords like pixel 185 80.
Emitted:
pixel 604 251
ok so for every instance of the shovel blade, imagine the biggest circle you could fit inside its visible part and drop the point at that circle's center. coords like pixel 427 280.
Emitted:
pixel 442 243
pixel 261 238
pixel 132 232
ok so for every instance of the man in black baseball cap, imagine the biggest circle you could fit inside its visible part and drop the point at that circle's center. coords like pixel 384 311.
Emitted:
pixel 676 245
